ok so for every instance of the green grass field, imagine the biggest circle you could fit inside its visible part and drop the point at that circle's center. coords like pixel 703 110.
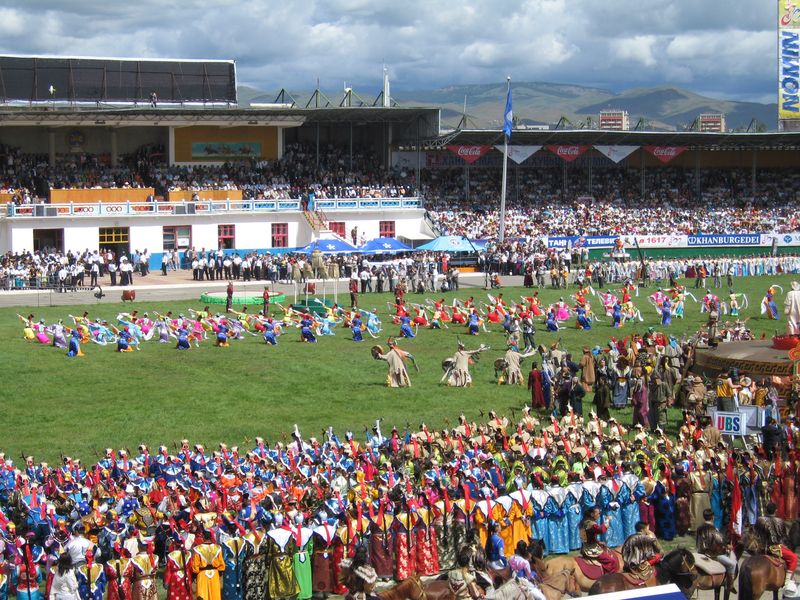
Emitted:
pixel 52 404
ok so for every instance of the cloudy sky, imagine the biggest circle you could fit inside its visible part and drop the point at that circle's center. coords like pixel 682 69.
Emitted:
pixel 725 49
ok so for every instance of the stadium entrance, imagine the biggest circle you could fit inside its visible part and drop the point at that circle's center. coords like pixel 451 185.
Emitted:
pixel 115 239
pixel 48 239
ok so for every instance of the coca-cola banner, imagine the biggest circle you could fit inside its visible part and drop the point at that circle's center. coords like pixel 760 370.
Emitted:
pixel 519 153
pixel 568 153
pixel 665 153
pixel 469 153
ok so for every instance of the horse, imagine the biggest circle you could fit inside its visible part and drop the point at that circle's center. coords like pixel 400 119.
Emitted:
pixel 676 567
pixel 408 589
pixel 560 563
pixel 560 584
pixel 759 573
pixel 713 580
pixel 514 589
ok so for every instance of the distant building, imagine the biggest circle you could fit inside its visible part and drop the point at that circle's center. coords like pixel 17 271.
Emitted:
pixel 616 120
pixel 711 123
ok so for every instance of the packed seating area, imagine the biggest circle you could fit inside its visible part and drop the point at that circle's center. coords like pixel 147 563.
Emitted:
pixel 541 201
pixel 297 174
pixel 540 204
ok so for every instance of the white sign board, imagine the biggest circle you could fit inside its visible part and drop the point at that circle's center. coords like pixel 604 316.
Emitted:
pixel 730 423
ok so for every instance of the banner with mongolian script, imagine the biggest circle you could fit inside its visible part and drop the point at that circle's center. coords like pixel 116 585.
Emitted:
pixel 665 153
pixel 616 153
pixel 469 153
pixel 653 240
pixel 566 152
pixel 788 60
pixel 589 241
pixel 725 239
pixel 519 153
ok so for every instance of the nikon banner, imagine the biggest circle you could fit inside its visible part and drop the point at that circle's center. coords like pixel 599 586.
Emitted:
pixel 788 60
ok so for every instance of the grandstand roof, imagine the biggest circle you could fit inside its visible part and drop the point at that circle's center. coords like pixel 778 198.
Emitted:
pixel 691 139
pixel 71 116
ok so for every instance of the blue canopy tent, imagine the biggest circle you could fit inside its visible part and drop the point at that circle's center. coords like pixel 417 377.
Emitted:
pixel 384 245
pixel 450 243
pixel 331 246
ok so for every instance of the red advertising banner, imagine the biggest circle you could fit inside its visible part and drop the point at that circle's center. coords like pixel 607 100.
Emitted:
pixel 665 153
pixel 469 153
pixel 568 153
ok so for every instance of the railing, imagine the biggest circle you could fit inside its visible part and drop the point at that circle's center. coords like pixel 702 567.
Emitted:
pixel 138 209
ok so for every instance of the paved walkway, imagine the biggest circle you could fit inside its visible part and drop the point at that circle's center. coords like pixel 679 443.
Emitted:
pixel 178 285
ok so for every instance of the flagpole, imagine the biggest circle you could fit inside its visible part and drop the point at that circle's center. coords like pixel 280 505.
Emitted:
pixel 501 235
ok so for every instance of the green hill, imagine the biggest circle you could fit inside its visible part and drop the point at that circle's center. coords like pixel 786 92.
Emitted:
pixel 665 107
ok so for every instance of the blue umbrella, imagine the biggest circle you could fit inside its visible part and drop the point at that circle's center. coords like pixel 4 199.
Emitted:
pixel 384 245
pixel 449 243
pixel 331 246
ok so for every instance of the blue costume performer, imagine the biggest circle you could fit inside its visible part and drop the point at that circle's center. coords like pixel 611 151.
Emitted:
pixel 405 327
pixel 583 320
pixel 355 326
pixel 124 341
pixel 616 314
pixel 474 323
pixel 269 333
pixel 222 335
pixel 551 323
pixel 305 330
pixel 183 339
pixel 666 312
pixel 75 344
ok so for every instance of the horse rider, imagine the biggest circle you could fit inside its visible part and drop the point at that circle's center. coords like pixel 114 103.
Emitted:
pixel 462 580
pixel 772 532
pixel 640 552
pixel 710 541
pixel 592 549
pixel 359 576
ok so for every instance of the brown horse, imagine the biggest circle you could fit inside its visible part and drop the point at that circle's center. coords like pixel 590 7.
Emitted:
pixel 408 589
pixel 561 563
pixel 715 582
pixel 561 584
pixel 758 574
pixel 676 567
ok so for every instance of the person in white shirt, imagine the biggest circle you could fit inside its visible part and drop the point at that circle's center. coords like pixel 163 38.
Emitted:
pixel 78 546
pixel 65 584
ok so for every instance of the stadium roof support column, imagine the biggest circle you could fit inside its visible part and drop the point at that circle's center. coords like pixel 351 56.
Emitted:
pixel 171 146
pixel 351 146
pixel 419 157
pixel 51 147
pixel 641 152
pixel 387 146
pixel 114 150
pixel 698 188
pixel 753 175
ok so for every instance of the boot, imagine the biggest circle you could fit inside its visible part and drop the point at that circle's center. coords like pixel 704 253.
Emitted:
pixel 789 586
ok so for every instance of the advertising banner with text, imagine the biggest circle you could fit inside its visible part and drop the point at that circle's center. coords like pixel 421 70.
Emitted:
pixel 469 153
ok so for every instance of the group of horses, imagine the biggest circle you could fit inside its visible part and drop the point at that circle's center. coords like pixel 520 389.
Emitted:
pixel 563 576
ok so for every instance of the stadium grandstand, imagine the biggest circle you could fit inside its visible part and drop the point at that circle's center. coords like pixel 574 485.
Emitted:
pixel 128 155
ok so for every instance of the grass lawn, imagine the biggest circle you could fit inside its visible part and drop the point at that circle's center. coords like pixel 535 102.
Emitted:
pixel 52 404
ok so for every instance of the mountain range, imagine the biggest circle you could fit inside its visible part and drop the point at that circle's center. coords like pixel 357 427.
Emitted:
pixel 541 103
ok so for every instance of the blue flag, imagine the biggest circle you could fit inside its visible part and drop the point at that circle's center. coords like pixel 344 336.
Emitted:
pixel 508 117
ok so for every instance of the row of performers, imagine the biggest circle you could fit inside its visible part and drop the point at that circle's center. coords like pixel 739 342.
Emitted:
pixel 275 549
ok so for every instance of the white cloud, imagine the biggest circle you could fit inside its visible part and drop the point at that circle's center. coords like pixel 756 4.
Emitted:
pixel 426 43
pixel 638 49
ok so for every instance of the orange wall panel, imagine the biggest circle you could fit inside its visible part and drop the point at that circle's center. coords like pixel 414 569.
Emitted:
pixel 186 136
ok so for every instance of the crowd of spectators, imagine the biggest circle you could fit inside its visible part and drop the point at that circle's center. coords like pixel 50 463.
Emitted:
pixel 334 173
pixel 612 200
pixel 540 202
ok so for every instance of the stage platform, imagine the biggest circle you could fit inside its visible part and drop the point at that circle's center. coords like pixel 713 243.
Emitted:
pixel 756 358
